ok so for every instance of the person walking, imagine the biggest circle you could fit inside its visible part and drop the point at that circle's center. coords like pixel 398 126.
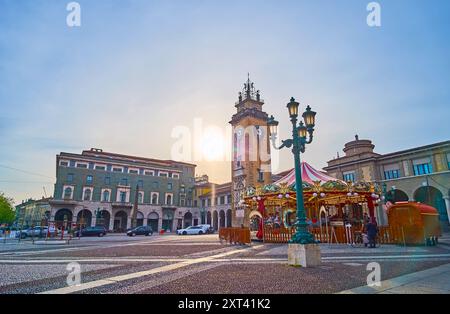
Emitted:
pixel 372 230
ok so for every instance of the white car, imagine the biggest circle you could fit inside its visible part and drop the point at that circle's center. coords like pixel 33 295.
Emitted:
pixel 192 230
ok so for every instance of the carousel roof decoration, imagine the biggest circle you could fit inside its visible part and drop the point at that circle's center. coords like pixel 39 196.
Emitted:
pixel 315 182
pixel 309 175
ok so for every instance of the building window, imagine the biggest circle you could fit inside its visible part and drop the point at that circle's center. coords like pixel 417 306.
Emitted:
pixel 87 195
pixel 421 169
pixel 100 167
pixel 133 171
pixel 175 175
pixel 124 182
pixel 391 174
pixel 169 199
pixel 68 193
pixel 169 186
pixel 260 176
pixel 82 165
pixel 155 198
pixel 141 197
pixel 64 163
pixel 228 199
pixel 105 196
pixel 222 200
pixel 163 174
pixel 123 196
pixel 195 203
pixel 203 203
pixel 349 176
pixel 182 202
pixel 70 177
pixel 89 179
pixel 141 184
pixel 155 185
pixel 116 169
pixel 209 202
pixel 149 172
pixel 107 180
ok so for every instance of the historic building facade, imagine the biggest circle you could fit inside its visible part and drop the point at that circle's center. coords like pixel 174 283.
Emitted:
pixel 100 188
pixel 418 174
pixel 215 205
pixel 33 212
pixel 251 163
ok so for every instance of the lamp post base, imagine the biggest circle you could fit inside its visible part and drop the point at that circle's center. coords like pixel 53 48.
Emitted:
pixel 304 255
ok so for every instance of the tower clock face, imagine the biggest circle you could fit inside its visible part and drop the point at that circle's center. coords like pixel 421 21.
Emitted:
pixel 260 131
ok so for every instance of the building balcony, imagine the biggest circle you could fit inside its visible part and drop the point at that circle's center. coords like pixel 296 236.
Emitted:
pixel 122 204
pixel 63 202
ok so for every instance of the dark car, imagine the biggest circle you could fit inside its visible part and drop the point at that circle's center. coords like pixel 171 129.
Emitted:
pixel 142 230
pixel 91 232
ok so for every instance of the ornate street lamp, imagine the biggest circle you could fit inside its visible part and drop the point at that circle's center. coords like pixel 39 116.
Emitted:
pixel 298 143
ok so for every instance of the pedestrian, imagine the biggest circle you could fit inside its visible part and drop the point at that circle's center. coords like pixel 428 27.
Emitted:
pixel 372 230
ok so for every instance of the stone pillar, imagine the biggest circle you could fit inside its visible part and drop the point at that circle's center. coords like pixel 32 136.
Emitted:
pixel 94 221
pixel 304 255
pixel 160 223
pixel 111 223
pixel 128 222
pixel 145 222
pixel 447 204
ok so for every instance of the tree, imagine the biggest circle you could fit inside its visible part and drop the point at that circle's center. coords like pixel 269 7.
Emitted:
pixel 7 213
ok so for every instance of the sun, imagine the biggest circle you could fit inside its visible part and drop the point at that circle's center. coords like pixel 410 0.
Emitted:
pixel 212 146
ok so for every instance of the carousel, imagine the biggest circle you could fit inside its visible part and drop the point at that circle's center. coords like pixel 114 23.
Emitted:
pixel 335 209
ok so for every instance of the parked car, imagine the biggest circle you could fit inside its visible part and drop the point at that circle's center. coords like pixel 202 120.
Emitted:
pixel 142 230
pixel 98 231
pixel 34 232
pixel 208 228
pixel 193 230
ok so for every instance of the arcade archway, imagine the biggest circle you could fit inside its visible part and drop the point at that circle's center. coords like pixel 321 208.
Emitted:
pixel 432 196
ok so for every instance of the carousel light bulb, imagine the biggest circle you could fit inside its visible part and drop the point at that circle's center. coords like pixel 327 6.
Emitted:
pixel 374 195
pixel 287 195
pixel 280 196
pixel 258 198
pixel 355 194
pixel 315 194
pixel 349 194
pixel 254 198
pixel 322 194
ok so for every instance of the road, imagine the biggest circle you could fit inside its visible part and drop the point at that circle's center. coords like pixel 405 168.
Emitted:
pixel 197 264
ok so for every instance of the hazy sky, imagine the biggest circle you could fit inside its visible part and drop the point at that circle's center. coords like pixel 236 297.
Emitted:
pixel 137 69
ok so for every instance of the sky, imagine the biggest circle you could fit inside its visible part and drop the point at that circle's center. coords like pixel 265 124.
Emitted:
pixel 136 70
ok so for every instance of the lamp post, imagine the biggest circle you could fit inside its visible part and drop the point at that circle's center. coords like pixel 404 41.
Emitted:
pixel 298 143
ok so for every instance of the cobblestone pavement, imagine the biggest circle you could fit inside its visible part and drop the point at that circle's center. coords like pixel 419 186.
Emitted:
pixel 199 264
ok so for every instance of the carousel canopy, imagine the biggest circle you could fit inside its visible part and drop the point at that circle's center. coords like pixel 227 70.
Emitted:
pixel 309 175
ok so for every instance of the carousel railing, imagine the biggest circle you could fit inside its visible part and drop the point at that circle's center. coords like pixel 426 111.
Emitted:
pixel 234 235
pixel 331 234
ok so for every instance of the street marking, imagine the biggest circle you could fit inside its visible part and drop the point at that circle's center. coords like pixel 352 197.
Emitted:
pixel 116 279
pixel 405 280
pixel 374 257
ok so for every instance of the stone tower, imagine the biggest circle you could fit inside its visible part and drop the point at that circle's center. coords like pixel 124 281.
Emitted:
pixel 250 148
